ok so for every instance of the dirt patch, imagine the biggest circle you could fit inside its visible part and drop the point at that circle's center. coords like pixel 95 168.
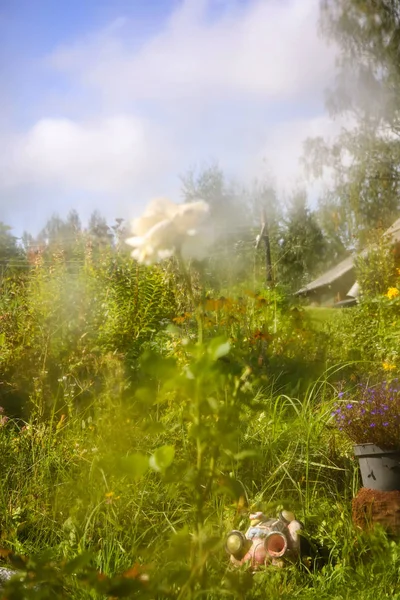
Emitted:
pixel 372 506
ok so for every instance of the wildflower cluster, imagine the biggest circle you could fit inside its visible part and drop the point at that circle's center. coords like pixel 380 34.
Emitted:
pixel 371 414
pixel 392 293
pixel 387 366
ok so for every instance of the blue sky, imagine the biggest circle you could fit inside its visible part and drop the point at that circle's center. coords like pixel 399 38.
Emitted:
pixel 105 103
pixel 32 29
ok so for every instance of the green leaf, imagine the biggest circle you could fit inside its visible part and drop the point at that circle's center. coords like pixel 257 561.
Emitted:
pixel 162 458
pixel 180 543
pixel 145 395
pixel 231 487
pixel 151 363
pixel 78 563
pixel 153 427
pixel 213 403
pixel 173 329
pixel 134 466
pixel 246 454
pixel 218 348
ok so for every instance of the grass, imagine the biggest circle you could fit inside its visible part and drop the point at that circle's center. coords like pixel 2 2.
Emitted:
pixel 321 315
pixel 150 462
pixel 64 490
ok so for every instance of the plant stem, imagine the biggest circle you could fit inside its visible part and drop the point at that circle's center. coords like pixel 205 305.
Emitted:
pixel 197 309
pixel 197 558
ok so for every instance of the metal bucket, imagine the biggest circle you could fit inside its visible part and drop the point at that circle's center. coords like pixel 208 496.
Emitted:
pixel 380 469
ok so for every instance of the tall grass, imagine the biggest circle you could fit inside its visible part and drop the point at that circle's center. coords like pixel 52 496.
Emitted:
pixel 141 449
pixel 65 489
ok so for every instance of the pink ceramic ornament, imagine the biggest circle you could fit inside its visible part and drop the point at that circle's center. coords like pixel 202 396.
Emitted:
pixel 267 541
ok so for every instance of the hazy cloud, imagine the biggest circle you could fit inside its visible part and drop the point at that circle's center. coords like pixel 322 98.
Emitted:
pixel 263 49
pixel 229 80
pixel 105 155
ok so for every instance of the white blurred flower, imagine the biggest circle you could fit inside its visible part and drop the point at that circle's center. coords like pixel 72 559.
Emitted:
pixel 166 227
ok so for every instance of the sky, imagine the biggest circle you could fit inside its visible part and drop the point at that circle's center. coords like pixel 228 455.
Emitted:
pixel 104 104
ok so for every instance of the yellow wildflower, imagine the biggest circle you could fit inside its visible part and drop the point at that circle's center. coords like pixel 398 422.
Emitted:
pixel 392 292
pixel 110 497
pixel 388 366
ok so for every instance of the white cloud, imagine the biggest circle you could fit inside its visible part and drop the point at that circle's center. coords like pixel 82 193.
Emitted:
pixel 202 86
pixel 105 155
pixel 268 49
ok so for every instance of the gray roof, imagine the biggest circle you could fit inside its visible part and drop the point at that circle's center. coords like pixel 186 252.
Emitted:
pixel 394 231
pixel 347 264
pixel 329 276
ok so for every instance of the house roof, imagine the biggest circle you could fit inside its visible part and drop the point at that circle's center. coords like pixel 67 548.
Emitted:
pixel 394 231
pixel 329 276
pixel 346 265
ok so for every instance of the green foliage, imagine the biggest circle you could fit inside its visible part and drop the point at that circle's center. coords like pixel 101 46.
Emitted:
pixel 218 446
pixel 369 76
pixel 364 194
pixel 364 157
pixel 367 334
pixel 142 447
pixel 376 268
pixel 9 250
pixel 65 320
pixel 302 241
pixel 210 184
pixel 234 225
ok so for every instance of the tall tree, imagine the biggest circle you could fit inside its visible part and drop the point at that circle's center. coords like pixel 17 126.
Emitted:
pixel 8 244
pixel 303 248
pixel 11 255
pixel 267 213
pixel 52 231
pixel 98 229
pixel 231 219
pixel 62 238
pixel 367 33
pixel 228 203
pixel 365 158
pixel 73 223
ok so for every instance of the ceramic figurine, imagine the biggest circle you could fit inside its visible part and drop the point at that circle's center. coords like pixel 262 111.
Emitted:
pixel 267 541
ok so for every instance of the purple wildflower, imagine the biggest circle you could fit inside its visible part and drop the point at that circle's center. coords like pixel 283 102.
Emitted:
pixel 371 414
